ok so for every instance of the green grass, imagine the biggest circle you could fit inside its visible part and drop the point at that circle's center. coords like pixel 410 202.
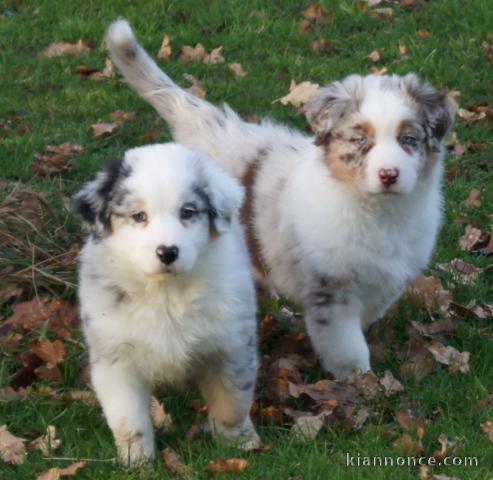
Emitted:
pixel 47 102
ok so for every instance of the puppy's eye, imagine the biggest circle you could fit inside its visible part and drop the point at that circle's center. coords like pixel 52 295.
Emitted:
pixel 140 217
pixel 188 211
pixel 362 140
pixel 408 140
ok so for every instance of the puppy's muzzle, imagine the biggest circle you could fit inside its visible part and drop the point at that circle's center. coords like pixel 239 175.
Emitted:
pixel 167 255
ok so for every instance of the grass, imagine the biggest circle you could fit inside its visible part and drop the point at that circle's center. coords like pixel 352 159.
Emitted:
pixel 45 102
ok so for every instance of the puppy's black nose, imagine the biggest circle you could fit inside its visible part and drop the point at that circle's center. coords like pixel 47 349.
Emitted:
pixel 388 176
pixel 167 255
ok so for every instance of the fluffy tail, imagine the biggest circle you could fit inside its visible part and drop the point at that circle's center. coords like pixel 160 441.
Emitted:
pixel 219 132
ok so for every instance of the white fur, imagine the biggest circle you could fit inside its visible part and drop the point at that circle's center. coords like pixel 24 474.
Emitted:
pixel 361 243
pixel 147 324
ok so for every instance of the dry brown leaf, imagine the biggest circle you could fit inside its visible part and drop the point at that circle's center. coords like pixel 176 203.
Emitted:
pixel 473 199
pixel 56 473
pixel 281 373
pixel 448 355
pixel 307 427
pixel 121 116
pixel 390 384
pixel 407 421
pixel 448 448
pixel 463 272
pixel 471 116
pixel 103 128
pixel 321 45
pixel 488 49
pixel 487 427
pixel 58 49
pixel 189 53
pixel 305 26
pixel 379 71
pixel 386 12
pixel 160 419
pixel 88 397
pixel 56 158
pixel 374 56
pixel 420 362
pixel 318 14
pixel 430 290
pixel 47 443
pixel 458 149
pixel 229 465
pixel 12 449
pixel 175 464
pixel 107 72
pixel 165 50
pixel 423 33
pixel 215 56
pixel 474 239
pixel 238 69
pixel 298 94
pixel 403 50
pixel 50 352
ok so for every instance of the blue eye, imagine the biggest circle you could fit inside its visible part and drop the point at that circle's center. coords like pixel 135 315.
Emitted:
pixel 363 140
pixel 140 217
pixel 188 211
pixel 408 140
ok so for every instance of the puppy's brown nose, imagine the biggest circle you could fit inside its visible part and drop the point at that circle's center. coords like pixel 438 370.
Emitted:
pixel 167 255
pixel 388 176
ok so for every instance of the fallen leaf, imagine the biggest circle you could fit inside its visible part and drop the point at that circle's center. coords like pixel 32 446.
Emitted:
pixel 88 397
pixel 374 56
pixel 390 384
pixel 189 53
pixel 318 14
pixel 229 465
pixel 195 88
pixel 423 33
pixel 420 362
pixel 448 448
pixel 488 49
pixel 238 69
pixel 165 50
pixel 386 12
pixel 321 45
pixel 403 50
pixel 305 26
pixel 459 149
pixel 175 464
pixel 215 56
pixel 120 116
pixel 379 71
pixel 448 355
pixel 50 352
pixel 463 272
pixel 373 3
pixel 281 373
pixel 47 443
pixel 160 419
pixel 103 128
pixel 107 72
pixel 430 290
pixel 308 427
pixel 298 94
pixel 12 449
pixel 487 427
pixel 473 199
pixel 58 49
pixel 193 431
pixel 444 326
pixel 474 239
pixel 56 473
pixel 471 116
pixel 56 158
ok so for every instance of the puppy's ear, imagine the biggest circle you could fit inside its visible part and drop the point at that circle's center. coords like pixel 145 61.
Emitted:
pixel 224 196
pixel 436 109
pixel 331 103
pixel 93 202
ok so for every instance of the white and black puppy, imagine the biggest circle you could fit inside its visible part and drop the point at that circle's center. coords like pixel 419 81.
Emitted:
pixel 166 292
pixel 340 221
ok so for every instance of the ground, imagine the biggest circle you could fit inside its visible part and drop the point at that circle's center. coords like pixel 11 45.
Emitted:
pixel 51 100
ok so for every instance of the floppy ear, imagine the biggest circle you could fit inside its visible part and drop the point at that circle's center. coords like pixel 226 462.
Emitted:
pixel 436 108
pixel 224 195
pixel 94 200
pixel 330 104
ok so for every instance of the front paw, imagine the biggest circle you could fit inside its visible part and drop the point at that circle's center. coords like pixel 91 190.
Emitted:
pixel 135 450
pixel 243 435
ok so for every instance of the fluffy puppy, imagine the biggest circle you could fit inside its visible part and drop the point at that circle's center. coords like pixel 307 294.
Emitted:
pixel 340 221
pixel 166 292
